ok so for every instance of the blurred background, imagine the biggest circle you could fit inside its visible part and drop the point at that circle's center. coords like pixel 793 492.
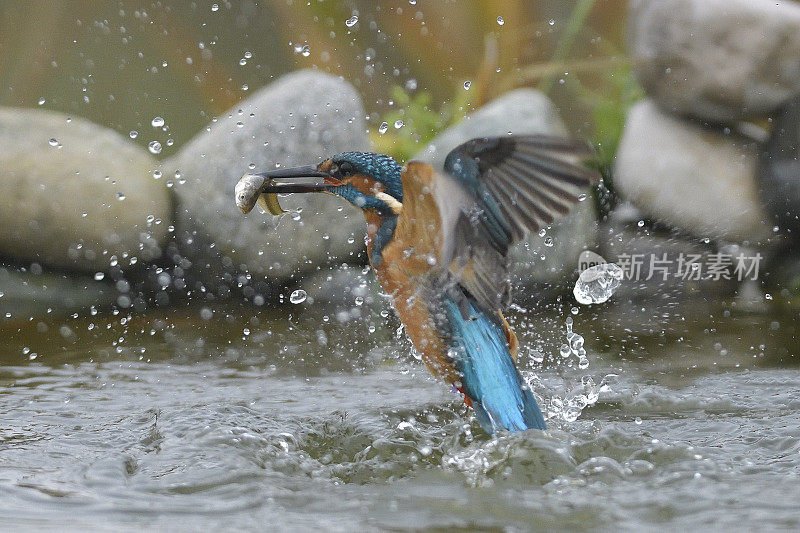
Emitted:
pixel 120 64
pixel 166 362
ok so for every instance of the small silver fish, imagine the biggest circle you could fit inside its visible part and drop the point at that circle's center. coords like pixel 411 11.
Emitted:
pixel 248 194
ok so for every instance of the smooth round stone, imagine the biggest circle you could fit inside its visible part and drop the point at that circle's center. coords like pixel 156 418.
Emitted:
pixel 553 258
pixel 76 195
pixel 35 293
pixel 719 60
pixel 690 177
pixel 301 119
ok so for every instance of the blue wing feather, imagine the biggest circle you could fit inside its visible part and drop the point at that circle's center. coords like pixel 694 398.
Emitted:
pixel 520 183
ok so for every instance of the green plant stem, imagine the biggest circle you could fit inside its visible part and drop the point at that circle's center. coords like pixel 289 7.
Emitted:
pixel 576 22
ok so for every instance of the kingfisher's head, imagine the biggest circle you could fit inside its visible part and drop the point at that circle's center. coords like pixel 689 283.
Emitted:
pixel 367 180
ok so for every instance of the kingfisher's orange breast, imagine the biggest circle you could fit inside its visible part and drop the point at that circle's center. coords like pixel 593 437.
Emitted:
pixel 408 258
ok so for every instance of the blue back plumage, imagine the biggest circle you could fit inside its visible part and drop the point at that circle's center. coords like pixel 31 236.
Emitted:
pixel 500 397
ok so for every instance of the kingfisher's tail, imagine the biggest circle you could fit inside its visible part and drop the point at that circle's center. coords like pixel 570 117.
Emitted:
pixel 489 378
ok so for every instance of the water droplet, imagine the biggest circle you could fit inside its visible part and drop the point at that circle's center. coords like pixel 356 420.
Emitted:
pixel 302 49
pixel 99 276
pixel 571 414
pixel 467 85
pixel 598 283
pixel 157 174
pixel 214 7
pixel 359 300
pixel 398 124
pixel 551 22
pixel 500 21
pixel 121 196
pixel 157 122
pixel 384 127
pixel 154 147
pixel 242 62
pixel 133 134
pixel 638 421
pixel 564 350
pixel 41 101
pixel 575 342
pixel 53 142
pixel 298 296
pixel 548 241
pixel 248 54
pixel 582 197
pixel 352 21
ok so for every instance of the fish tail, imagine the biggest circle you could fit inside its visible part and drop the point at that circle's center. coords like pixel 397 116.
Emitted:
pixel 502 400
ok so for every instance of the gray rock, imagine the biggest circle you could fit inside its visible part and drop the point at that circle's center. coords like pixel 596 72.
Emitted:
pixel 660 294
pixel 300 119
pixel 76 195
pixel 779 171
pixel 655 258
pixel 551 259
pixel 719 60
pixel 692 178
pixel 33 293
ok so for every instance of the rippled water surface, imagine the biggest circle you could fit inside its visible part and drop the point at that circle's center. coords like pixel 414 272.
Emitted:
pixel 290 419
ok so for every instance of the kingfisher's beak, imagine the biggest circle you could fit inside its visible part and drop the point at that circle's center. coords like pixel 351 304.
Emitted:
pixel 308 171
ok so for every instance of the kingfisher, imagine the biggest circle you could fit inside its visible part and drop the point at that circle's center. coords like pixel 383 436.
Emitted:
pixel 439 241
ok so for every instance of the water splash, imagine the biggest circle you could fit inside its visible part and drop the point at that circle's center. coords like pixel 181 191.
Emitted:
pixel 566 401
pixel 597 283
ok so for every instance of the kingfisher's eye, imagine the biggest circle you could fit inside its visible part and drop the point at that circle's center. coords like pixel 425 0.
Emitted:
pixel 346 169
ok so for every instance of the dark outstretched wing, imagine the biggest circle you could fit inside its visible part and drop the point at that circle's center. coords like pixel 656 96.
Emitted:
pixel 516 184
